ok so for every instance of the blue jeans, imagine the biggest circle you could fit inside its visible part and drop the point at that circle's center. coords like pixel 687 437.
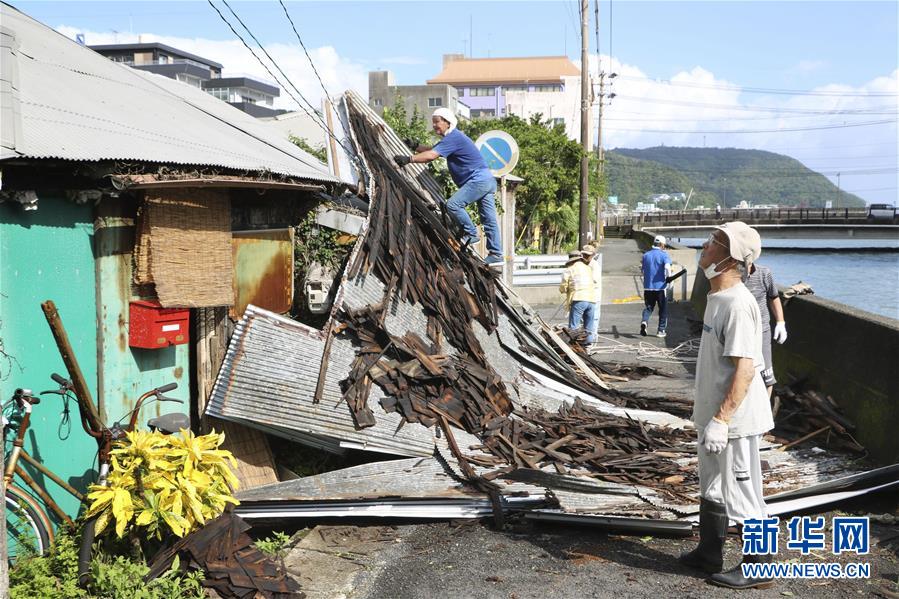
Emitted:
pixel 585 311
pixel 650 298
pixel 480 189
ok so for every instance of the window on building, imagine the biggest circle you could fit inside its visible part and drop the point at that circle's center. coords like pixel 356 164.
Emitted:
pixel 554 87
pixel 515 88
pixel 483 113
pixel 482 91
pixel 557 121
pixel 435 102
pixel 377 102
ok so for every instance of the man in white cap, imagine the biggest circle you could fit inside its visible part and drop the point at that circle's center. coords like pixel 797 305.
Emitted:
pixel 656 267
pixel 593 259
pixel 470 174
pixel 731 409
pixel 580 294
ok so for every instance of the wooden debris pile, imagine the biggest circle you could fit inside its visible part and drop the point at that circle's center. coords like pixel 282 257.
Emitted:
pixel 410 248
pixel 594 443
pixel 430 388
pixel 234 567
pixel 808 415
pixel 421 383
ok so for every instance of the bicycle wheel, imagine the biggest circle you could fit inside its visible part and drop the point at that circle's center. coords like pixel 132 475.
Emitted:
pixel 28 530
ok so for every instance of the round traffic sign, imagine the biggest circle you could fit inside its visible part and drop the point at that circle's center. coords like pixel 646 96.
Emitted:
pixel 499 150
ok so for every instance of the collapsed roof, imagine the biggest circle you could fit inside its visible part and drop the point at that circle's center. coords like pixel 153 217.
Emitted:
pixel 62 100
pixel 427 355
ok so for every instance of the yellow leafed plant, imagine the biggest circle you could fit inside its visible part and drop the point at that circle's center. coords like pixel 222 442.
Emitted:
pixel 164 483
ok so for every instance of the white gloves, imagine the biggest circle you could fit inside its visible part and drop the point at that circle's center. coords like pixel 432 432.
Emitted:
pixel 714 437
pixel 780 332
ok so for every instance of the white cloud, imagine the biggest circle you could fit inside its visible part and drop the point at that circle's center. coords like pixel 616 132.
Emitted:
pixel 676 112
pixel 337 73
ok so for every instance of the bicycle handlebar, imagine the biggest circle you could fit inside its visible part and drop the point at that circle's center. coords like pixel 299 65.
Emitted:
pixel 166 388
pixel 61 380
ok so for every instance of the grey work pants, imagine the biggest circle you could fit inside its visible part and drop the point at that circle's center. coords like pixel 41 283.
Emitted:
pixel 734 478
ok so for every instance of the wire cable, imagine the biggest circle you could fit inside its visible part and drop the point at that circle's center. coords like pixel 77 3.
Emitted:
pixel 746 131
pixel 763 90
pixel 314 114
pixel 685 352
pixel 309 58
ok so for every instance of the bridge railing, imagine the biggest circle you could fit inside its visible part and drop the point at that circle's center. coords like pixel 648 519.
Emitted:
pixel 835 215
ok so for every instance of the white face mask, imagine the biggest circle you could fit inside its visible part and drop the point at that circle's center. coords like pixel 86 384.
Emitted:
pixel 710 272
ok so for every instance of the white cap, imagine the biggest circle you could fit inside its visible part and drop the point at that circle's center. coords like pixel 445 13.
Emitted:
pixel 745 242
pixel 447 115
pixel 659 240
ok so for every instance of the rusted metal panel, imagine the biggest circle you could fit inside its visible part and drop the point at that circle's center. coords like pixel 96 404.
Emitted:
pixel 263 270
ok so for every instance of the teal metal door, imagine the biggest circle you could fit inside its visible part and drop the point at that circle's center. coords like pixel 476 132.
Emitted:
pixel 48 254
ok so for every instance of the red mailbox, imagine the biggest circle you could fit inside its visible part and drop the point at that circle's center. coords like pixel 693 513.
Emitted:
pixel 151 326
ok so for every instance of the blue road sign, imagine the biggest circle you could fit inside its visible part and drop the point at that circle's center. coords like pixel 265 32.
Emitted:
pixel 499 150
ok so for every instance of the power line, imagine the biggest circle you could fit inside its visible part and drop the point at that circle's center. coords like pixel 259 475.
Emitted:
pixel 764 90
pixel 869 110
pixel 743 131
pixel 314 114
pixel 275 64
pixel 644 118
pixel 312 64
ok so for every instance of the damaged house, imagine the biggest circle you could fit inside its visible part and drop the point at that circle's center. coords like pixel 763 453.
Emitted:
pixel 148 211
pixel 131 199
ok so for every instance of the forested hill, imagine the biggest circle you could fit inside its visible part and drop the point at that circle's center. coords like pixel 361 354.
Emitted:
pixel 724 176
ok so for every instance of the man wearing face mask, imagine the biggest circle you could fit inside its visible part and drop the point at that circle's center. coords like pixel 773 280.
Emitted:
pixel 731 409
pixel 469 171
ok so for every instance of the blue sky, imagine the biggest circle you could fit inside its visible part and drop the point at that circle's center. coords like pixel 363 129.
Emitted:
pixel 850 47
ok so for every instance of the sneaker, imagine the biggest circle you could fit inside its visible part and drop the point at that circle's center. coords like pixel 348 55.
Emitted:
pixel 643 328
pixel 470 239
pixel 494 260
pixel 661 334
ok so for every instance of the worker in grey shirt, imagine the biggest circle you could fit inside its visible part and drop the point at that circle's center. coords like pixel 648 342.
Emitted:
pixel 760 284
pixel 731 410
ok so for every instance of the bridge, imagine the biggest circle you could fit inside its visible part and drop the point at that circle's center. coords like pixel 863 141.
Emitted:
pixel 774 223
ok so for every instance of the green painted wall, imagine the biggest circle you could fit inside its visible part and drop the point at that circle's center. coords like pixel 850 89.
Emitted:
pixel 48 254
pixel 125 372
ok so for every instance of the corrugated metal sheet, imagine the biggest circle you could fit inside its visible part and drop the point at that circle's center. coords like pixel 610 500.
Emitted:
pixel 269 377
pixel 415 488
pixel 74 104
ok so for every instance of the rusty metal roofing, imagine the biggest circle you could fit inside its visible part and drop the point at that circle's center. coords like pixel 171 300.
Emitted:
pixel 64 101
pixel 529 69
pixel 269 377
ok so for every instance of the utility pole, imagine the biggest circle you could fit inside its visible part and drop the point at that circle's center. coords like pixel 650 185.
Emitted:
pixel 600 158
pixel 837 203
pixel 583 233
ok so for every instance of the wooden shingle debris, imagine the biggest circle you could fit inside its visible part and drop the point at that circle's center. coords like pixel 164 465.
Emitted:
pixel 233 566
pixel 805 414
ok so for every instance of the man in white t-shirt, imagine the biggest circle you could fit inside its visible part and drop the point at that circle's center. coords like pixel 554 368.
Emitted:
pixel 730 410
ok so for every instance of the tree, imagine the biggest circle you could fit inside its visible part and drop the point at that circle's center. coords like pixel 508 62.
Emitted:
pixel 319 152
pixel 549 163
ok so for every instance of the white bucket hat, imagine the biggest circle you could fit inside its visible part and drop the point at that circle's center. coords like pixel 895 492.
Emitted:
pixel 447 115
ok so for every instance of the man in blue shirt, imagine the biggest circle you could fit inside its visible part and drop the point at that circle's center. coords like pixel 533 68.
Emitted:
pixel 656 268
pixel 470 174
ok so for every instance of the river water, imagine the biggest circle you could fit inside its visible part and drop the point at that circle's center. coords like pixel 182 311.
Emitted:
pixel 863 279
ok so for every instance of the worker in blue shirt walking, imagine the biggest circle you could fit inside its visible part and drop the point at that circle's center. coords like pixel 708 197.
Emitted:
pixel 656 268
pixel 470 173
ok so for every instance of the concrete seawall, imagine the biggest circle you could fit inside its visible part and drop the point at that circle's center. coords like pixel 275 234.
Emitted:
pixel 850 354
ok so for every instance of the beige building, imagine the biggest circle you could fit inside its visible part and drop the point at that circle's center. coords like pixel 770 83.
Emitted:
pixel 521 86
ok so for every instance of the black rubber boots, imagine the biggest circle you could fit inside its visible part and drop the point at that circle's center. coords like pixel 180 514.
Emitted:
pixel 709 554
